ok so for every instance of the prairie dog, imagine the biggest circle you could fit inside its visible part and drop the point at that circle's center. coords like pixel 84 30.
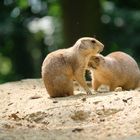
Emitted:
pixel 62 66
pixel 117 69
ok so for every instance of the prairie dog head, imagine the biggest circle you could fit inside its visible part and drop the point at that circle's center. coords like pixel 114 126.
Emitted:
pixel 96 61
pixel 89 45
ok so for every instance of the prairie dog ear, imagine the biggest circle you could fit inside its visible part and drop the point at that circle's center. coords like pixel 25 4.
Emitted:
pixel 91 65
pixel 81 45
pixel 94 62
pixel 96 59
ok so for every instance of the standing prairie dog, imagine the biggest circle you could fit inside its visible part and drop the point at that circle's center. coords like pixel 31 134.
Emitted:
pixel 117 69
pixel 62 66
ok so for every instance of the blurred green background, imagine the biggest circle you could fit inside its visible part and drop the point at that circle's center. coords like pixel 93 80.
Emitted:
pixel 30 29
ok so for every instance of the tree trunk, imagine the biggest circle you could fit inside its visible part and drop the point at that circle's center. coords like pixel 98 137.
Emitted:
pixel 80 18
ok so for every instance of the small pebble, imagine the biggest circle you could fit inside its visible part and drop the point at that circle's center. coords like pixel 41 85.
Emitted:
pixel 83 99
pixel 118 89
pixel 55 101
pixel 77 130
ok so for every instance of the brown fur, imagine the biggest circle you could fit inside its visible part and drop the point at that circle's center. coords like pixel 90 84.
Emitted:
pixel 62 66
pixel 117 69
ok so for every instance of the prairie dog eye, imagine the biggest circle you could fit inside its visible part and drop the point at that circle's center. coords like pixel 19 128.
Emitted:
pixel 93 41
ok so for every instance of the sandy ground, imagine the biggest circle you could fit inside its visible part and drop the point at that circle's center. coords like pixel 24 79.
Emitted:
pixel 27 113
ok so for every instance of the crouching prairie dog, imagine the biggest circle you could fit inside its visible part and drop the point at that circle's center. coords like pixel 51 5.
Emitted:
pixel 62 66
pixel 117 69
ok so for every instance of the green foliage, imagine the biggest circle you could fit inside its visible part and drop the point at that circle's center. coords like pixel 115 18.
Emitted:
pixel 55 10
pixel 23 4
pixel 122 28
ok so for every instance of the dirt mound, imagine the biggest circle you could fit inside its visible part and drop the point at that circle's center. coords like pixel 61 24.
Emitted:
pixel 27 112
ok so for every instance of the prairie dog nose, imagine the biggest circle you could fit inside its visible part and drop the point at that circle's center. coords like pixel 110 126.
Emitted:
pixel 101 47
